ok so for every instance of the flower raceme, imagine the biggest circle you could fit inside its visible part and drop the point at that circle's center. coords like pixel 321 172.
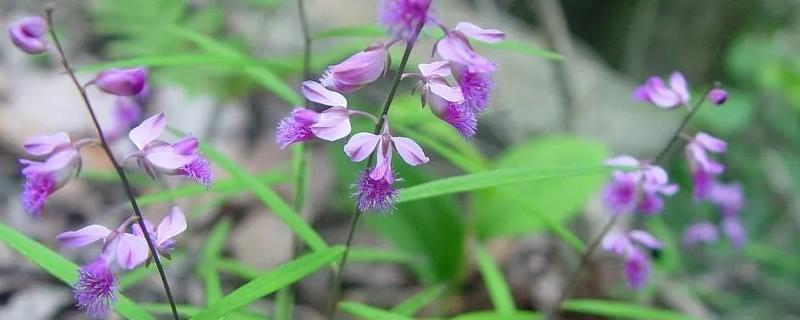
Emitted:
pixel 181 158
pixel 704 169
pixel 655 91
pixel 638 190
pixel 374 189
pixel 54 159
pixel 28 34
pixel 637 263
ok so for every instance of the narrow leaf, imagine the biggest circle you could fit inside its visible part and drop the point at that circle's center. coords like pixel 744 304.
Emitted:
pixel 271 281
pixel 61 268
pixel 495 282
pixel 366 312
pixel 369 31
pixel 274 83
pixel 188 311
pixel 489 315
pixel 377 255
pixel 284 304
pixel 616 309
pixel 223 186
pixel 418 301
pixel 208 259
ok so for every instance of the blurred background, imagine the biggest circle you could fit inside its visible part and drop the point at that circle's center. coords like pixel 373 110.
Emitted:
pixel 546 111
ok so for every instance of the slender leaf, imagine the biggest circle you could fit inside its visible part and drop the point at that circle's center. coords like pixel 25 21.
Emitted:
pixel 269 198
pixel 489 315
pixel 616 309
pixel 418 301
pixel 495 281
pixel 284 304
pixel 239 269
pixel 377 255
pixel 366 312
pixel 369 31
pixel 271 81
pixel 188 311
pixel 493 178
pixel 208 259
pixel 271 281
pixel 173 60
pixel 450 154
pixel 223 186
pixel 62 268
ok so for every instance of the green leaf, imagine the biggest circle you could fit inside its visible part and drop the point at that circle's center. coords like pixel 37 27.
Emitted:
pixel 271 281
pixel 532 206
pixel 188 311
pixel 208 259
pixel 284 304
pixel 377 255
pixel 369 31
pixel 616 309
pixel 172 60
pixel 521 47
pixel 61 268
pixel 222 186
pixel 495 281
pixel 418 301
pixel 489 315
pixel 448 153
pixel 281 209
pixel 274 83
pixel 494 178
pixel 365 312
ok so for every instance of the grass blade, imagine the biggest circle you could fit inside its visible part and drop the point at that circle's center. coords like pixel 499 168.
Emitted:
pixel 224 186
pixel 366 312
pixel 208 260
pixel 369 31
pixel 489 315
pixel 622 310
pixel 495 282
pixel 493 178
pixel 61 268
pixel 418 301
pixel 188 311
pixel 271 281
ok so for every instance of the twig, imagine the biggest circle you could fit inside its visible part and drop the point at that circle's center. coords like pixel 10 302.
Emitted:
pixel 124 178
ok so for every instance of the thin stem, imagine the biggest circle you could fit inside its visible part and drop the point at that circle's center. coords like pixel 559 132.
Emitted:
pixel 124 178
pixel 337 278
pixel 584 260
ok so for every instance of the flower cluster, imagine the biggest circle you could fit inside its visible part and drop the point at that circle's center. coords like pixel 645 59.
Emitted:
pixel 640 186
pixel 51 161
pixel 457 86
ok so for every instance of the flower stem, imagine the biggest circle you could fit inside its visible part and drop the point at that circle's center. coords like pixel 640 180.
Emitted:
pixel 584 260
pixel 337 278
pixel 124 178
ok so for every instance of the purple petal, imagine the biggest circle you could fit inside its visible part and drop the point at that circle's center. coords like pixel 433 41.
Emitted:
pixel 333 124
pixel 456 49
pixel 35 192
pixel 728 197
pixel 171 226
pixel 410 151
pixel 660 95
pixel 402 18
pixel 383 165
pixel 296 127
pixel 620 194
pixel 131 251
pixel 435 69
pixel 166 159
pixel 640 94
pixel 477 89
pixel 45 144
pixel 480 34
pixel 717 96
pixel 56 162
pixel 644 238
pixel 702 184
pixel 199 170
pixel 733 229
pixel 122 82
pixel 316 92
pixel 702 232
pixel 710 142
pixel 616 243
pixel 187 146
pixel 637 270
pixel 28 34
pixel 678 84
pixel 82 237
pixel 361 145
pixel 446 92
pixel 362 68
pixel 375 195
pixel 148 131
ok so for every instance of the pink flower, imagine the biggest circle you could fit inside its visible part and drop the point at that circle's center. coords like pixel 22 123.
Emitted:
pixel 129 249
pixel 656 92
pixel 717 96
pixel 476 87
pixel 638 190
pixel 402 18
pixel 59 160
pixel 360 69
pixel 28 34
pixel 455 46
pixel 704 169
pixel 637 264
pixel 375 195
pixel 701 232
pixel 734 231
pixel 303 124
pixel 181 158
pixel 121 82
pixel 96 289
pixel 729 198
pixel 445 101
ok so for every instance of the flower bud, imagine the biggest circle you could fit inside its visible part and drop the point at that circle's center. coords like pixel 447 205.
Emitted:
pixel 28 34
pixel 717 96
pixel 122 82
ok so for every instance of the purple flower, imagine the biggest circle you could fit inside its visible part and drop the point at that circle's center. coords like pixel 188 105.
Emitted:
pixel 181 158
pixel 121 82
pixel 126 113
pixel 701 232
pixel 656 92
pixel 59 161
pixel 375 195
pixel 358 70
pixel 717 96
pixel 637 265
pixel 28 34
pixel 704 169
pixel 402 18
pixel 303 124
pixel 638 190
pixel 476 87
pixel 171 226
pixel 459 116
pixel 433 86
pixel 729 198
pixel 374 190
pixel 96 289
pixel 734 231
pixel 455 47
